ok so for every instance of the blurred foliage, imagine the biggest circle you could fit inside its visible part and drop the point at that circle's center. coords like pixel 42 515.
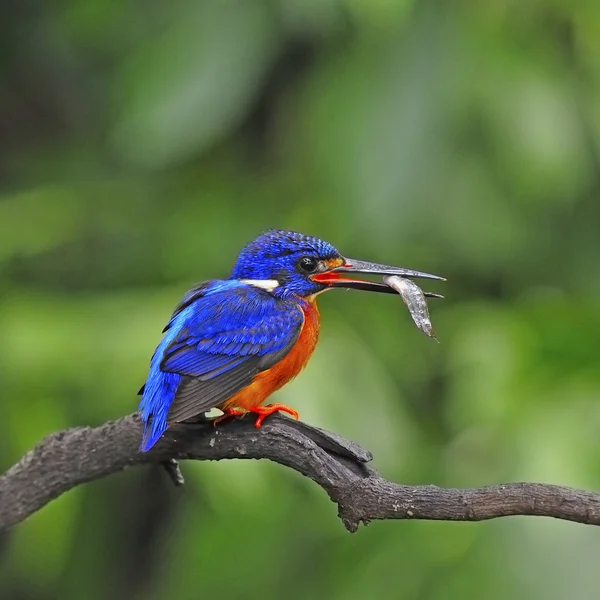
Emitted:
pixel 143 143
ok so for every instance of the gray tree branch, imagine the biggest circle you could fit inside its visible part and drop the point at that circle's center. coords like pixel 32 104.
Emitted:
pixel 71 457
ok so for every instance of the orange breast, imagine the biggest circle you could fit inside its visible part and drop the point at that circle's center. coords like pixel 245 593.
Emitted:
pixel 287 368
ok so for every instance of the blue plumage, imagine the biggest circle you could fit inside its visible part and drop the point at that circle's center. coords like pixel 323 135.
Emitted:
pixel 224 332
pixel 275 255
pixel 225 325
pixel 232 343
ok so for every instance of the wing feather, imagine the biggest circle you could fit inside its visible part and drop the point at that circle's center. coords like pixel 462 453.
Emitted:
pixel 196 395
pixel 221 339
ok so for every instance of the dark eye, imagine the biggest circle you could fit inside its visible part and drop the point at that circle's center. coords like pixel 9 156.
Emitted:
pixel 308 264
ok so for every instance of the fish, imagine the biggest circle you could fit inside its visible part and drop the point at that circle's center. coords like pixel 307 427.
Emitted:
pixel 414 298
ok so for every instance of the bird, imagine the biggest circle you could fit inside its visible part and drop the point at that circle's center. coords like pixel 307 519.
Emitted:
pixel 231 343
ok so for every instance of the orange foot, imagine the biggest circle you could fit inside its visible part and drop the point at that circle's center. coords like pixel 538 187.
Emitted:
pixel 265 411
pixel 227 414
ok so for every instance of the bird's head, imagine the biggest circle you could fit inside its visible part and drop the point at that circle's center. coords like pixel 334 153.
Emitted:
pixel 287 263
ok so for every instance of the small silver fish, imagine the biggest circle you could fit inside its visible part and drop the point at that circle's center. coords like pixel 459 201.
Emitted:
pixel 414 298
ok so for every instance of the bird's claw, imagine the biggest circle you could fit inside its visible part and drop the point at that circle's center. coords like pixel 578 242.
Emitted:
pixel 265 411
pixel 262 411
pixel 227 414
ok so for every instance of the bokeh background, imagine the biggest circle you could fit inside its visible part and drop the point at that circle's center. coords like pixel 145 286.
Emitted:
pixel 143 143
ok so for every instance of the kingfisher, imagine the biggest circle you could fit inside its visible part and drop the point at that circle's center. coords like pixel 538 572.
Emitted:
pixel 231 343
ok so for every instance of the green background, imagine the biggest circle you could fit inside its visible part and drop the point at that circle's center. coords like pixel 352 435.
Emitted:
pixel 142 144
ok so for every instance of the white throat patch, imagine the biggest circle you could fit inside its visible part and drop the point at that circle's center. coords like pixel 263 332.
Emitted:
pixel 264 284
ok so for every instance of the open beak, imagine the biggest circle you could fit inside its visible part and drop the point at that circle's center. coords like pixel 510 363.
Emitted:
pixel 334 277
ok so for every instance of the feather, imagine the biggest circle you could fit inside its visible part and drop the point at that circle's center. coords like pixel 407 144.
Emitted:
pixel 196 292
pixel 196 395
pixel 218 339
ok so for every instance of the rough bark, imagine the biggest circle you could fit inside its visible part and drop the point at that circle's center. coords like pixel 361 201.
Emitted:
pixel 74 456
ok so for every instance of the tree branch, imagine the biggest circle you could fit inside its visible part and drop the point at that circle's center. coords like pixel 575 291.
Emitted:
pixel 74 456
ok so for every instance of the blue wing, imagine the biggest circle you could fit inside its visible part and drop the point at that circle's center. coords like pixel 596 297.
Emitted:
pixel 222 334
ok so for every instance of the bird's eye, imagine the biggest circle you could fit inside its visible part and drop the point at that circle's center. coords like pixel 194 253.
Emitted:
pixel 308 264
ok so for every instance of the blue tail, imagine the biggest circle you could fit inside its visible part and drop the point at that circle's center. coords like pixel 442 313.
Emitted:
pixel 157 397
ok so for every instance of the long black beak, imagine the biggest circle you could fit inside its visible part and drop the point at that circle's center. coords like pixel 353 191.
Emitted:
pixel 334 279
pixel 360 266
